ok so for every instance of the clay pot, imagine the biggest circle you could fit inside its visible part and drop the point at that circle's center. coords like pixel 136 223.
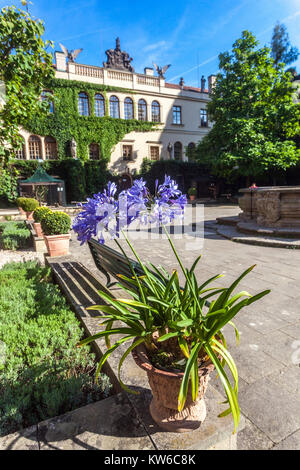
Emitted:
pixel 57 245
pixel 29 215
pixel 38 229
pixel 192 197
pixel 22 212
pixel 165 386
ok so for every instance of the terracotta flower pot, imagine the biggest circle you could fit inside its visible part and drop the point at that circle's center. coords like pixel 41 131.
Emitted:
pixel 57 245
pixel 22 212
pixel 192 197
pixel 38 229
pixel 165 386
pixel 29 215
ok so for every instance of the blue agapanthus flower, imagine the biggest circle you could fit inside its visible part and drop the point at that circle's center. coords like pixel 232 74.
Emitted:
pixel 105 214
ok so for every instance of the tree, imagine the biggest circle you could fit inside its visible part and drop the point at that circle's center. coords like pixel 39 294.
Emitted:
pixel 25 68
pixel 255 116
pixel 282 51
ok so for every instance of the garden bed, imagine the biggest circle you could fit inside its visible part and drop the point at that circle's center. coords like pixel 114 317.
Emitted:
pixel 14 235
pixel 42 373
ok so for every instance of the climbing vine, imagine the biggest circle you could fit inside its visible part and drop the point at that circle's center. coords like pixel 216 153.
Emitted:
pixel 66 122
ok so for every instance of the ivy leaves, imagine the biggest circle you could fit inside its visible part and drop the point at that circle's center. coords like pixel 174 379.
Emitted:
pixel 25 67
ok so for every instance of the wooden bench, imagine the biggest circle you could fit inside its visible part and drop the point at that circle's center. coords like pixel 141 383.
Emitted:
pixel 112 262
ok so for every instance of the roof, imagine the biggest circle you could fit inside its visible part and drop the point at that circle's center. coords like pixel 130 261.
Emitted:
pixel 40 176
pixel 187 88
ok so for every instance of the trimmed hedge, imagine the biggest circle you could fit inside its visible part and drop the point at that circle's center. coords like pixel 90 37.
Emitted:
pixel 14 235
pixel 28 204
pixel 40 213
pixel 43 373
pixel 56 223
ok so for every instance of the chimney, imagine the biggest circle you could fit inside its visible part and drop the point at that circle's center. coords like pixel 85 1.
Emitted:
pixel 203 84
pixel 60 61
pixel 149 71
pixel 181 83
pixel 211 82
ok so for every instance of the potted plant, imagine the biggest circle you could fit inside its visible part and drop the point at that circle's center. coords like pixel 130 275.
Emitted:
pixel 192 192
pixel 29 205
pixel 56 227
pixel 175 336
pixel 38 215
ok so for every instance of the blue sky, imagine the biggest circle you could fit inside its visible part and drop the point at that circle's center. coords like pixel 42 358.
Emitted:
pixel 183 33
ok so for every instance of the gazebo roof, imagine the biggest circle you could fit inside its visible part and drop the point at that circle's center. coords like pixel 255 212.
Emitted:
pixel 40 176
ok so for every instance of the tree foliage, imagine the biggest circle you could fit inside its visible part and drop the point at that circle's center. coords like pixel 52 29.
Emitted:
pixel 255 115
pixel 25 67
pixel 282 51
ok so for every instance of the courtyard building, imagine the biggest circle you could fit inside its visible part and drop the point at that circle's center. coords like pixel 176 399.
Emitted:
pixel 177 110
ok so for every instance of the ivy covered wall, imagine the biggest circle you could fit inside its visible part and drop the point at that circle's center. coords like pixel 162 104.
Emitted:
pixel 66 122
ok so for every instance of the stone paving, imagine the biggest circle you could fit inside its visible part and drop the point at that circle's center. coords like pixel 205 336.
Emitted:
pixel 268 355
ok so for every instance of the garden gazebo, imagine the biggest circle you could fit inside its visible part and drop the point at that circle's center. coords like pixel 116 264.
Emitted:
pixel 55 188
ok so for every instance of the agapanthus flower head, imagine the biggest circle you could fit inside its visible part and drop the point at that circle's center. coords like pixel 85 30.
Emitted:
pixel 104 214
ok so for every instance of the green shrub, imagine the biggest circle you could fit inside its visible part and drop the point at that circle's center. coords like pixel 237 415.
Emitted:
pixel 56 223
pixel 19 201
pixel 44 374
pixel 14 235
pixel 29 204
pixel 40 213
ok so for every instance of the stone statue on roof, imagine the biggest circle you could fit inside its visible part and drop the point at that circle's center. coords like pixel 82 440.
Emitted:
pixel 118 59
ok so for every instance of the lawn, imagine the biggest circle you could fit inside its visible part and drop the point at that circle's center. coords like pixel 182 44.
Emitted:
pixel 42 373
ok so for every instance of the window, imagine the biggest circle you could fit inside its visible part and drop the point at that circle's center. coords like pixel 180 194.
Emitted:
pixel 21 152
pixel 45 97
pixel 99 105
pixel 94 152
pixel 128 108
pixel 127 152
pixel 191 150
pixel 50 148
pixel 142 110
pixel 178 151
pixel 83 104
pixel 176 114
pixel 203 118
pixel 35 147
pixel 154 152
pixel 155 108
pixel 114 107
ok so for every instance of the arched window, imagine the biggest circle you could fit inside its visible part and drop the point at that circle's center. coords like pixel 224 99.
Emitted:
pixel 155 108
pixel 191 150
pixel 178 151
pixel 142 110
pixel 50 148
pixel 35 147
pixel 45 97
pixel 83 104
pixel 128 108
pixel 99 105
pixel 20 153
pixel 94 151
pixel 114 107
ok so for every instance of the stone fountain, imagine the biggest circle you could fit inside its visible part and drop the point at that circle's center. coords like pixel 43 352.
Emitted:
pixel 270 216
pixel 271 206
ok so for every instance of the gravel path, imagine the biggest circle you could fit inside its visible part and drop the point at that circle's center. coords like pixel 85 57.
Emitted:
pixel 7 256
